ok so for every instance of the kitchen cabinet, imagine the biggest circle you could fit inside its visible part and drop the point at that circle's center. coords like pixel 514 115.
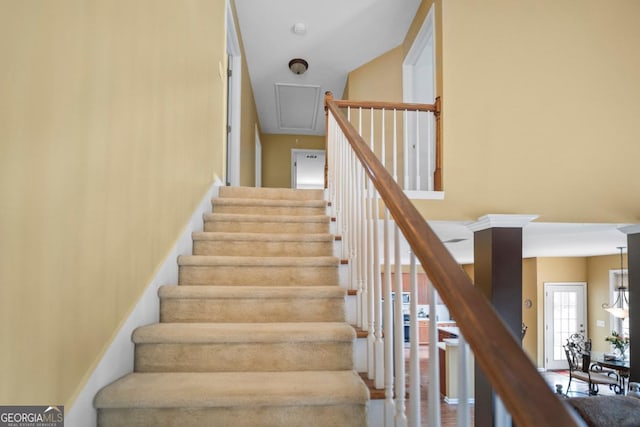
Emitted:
pixel 423 331
pixel 423 286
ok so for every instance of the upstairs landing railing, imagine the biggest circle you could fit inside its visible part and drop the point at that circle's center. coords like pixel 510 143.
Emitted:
pixel 363 189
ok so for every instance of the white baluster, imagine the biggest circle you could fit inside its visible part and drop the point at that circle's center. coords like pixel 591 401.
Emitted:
pixel 342 206
pixel 417 153
pixel 389 404
pixel 502 416
pixel 414 356
pixel 383 150
pixel 400 418
pixel 431 156
pixel 463 383
pixel 406 146
pixel 361 242
pixel 364 247
pixel 351 230
pixel 434 363
pixel 379 345
pixel 368 248
pixel 395 145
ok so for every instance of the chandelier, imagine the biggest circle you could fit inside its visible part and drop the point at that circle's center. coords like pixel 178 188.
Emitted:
pixel 617 309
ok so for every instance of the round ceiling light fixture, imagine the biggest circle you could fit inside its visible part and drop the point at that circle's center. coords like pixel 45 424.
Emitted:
pixel 298 65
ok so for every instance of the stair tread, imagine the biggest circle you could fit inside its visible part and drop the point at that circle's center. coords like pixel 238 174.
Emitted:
pixel 220 260
pixel 236 201
pixel 236 217
pixel 244 332
pixel 271 193
pixel 266 237
pixel 253 292
pixel 222 389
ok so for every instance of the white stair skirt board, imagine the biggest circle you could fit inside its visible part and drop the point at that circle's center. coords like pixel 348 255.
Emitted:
pixel 118 359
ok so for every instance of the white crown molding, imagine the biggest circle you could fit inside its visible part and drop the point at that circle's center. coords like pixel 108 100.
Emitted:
pixel 501 221
pixel 630 229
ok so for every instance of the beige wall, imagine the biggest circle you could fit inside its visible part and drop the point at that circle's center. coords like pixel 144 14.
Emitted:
pixel 532 123
pixel 378 80
pixel 111 127
pixel 529 315
pixel 276 156
pixel 597 294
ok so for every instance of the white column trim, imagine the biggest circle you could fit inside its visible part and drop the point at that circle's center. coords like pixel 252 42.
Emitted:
pixel 501 221
pixel 630 229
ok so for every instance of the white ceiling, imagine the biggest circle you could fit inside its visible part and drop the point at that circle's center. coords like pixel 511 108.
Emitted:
pixel 540 239
pixel 341 36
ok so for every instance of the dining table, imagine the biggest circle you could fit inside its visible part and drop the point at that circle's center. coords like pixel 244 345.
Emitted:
pixel 621 366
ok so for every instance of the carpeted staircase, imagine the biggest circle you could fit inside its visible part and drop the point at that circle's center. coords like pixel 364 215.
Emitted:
pixel 254 334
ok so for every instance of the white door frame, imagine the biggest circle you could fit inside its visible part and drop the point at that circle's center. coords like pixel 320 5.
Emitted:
pixel 233 102
pixel 422 163
pixel 548 328
pixel 425 36
pixel 258 164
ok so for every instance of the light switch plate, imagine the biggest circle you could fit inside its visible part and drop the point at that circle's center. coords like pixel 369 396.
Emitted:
pixel 600 323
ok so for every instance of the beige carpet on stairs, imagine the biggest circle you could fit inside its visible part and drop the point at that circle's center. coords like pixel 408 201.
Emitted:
pixel 254 334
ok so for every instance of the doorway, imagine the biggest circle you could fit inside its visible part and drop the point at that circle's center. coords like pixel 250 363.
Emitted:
pixel 564 314
pixel 307 169
pixel 234 66
pixel 419 86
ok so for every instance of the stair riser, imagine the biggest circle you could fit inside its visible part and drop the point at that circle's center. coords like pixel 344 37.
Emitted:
pixel 243 357
pixel 252 310
pixel 354 415
pixel 265 227
pixel 270 193
pixel 269 210
pixel 258 275
pixel 261 248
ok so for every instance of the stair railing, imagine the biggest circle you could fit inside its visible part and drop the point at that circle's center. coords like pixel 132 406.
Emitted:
pixel 362 186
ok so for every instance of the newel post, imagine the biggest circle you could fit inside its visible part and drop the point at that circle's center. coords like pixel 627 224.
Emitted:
pixel 437 175
pixel 328 96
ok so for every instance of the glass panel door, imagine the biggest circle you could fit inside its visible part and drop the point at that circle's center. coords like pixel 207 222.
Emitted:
pixel 564 315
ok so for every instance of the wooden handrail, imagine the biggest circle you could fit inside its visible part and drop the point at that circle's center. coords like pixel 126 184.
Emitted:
pixel 379 105
pixel 522 389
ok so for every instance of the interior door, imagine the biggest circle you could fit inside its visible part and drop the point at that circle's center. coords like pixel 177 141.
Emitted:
pixel 307 169
pixel 564 314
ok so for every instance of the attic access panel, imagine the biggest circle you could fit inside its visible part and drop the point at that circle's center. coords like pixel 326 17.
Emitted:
pixel 297 106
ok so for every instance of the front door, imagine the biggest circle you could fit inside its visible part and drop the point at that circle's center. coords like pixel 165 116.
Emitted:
pixel 564 314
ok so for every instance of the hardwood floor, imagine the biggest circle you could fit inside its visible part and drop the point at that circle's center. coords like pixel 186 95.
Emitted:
pixel 449 413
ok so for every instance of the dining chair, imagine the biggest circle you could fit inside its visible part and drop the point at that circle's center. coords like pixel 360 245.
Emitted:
pixel 578 352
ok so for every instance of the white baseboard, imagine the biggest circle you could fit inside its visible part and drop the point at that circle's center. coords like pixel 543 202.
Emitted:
pixel 118 359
